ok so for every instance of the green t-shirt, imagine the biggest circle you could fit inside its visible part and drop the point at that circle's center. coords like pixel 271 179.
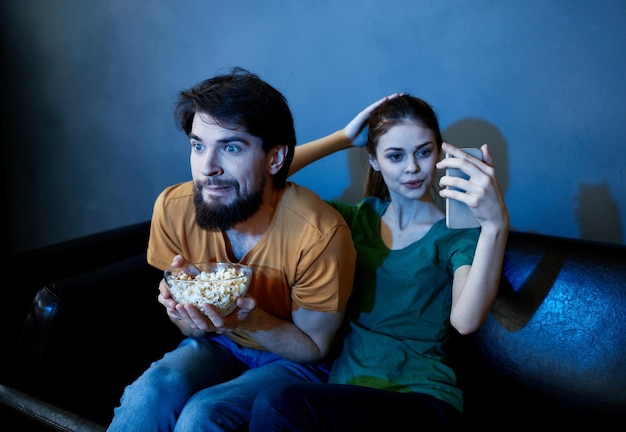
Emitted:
pixel 399 311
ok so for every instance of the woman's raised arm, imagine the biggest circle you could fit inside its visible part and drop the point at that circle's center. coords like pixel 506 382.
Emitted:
pixel 345 138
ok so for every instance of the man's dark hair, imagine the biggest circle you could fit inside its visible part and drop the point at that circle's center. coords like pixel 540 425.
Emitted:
pixel 240 98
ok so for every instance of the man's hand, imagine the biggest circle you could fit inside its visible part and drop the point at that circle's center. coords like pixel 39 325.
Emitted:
pixel 220 324
pixel 192 322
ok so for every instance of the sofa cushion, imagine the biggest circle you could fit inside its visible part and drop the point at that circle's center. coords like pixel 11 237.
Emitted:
pixel 555 338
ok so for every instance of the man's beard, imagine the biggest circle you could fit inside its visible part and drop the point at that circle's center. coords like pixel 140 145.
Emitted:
pixel 219 217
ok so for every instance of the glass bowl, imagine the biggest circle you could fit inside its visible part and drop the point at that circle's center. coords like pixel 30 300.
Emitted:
pixel 219 284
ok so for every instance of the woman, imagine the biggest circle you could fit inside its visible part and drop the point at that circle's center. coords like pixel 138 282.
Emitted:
pixel 416 280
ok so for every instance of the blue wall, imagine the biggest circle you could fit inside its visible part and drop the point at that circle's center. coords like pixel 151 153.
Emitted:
pixel 88 89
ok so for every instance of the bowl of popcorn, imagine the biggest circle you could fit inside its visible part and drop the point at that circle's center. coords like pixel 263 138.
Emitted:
pixel 219 284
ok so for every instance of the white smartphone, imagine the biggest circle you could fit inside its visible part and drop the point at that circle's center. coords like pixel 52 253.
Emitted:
pixel 458 214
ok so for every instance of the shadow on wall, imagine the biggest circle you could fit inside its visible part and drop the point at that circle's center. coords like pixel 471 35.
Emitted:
pixel 357 166
pixel 472 132
pixel 598 214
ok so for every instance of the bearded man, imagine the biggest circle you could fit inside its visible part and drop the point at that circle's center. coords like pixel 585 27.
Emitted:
pixel 240 208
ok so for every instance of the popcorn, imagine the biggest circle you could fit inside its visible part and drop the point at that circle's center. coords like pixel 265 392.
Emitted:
pixel 221 287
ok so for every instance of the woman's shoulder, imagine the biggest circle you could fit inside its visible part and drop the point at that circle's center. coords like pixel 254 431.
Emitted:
pixel 373 203
pixel 454 240
pixel 367 207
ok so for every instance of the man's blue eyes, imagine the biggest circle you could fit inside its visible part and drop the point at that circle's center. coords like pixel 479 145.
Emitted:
pixel 228 148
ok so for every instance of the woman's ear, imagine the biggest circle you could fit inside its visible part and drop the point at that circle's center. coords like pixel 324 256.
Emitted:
pixel 373 163
pixel 277 158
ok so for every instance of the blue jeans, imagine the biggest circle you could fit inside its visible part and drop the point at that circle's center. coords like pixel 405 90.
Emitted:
pixel 205 384
pixel 312 407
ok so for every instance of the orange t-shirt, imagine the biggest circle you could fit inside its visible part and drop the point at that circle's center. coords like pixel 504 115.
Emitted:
pixel 306 256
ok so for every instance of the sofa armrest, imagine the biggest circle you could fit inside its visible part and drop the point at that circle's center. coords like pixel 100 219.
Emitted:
pixel 34 269
pixel 89 335
pixel 24 412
